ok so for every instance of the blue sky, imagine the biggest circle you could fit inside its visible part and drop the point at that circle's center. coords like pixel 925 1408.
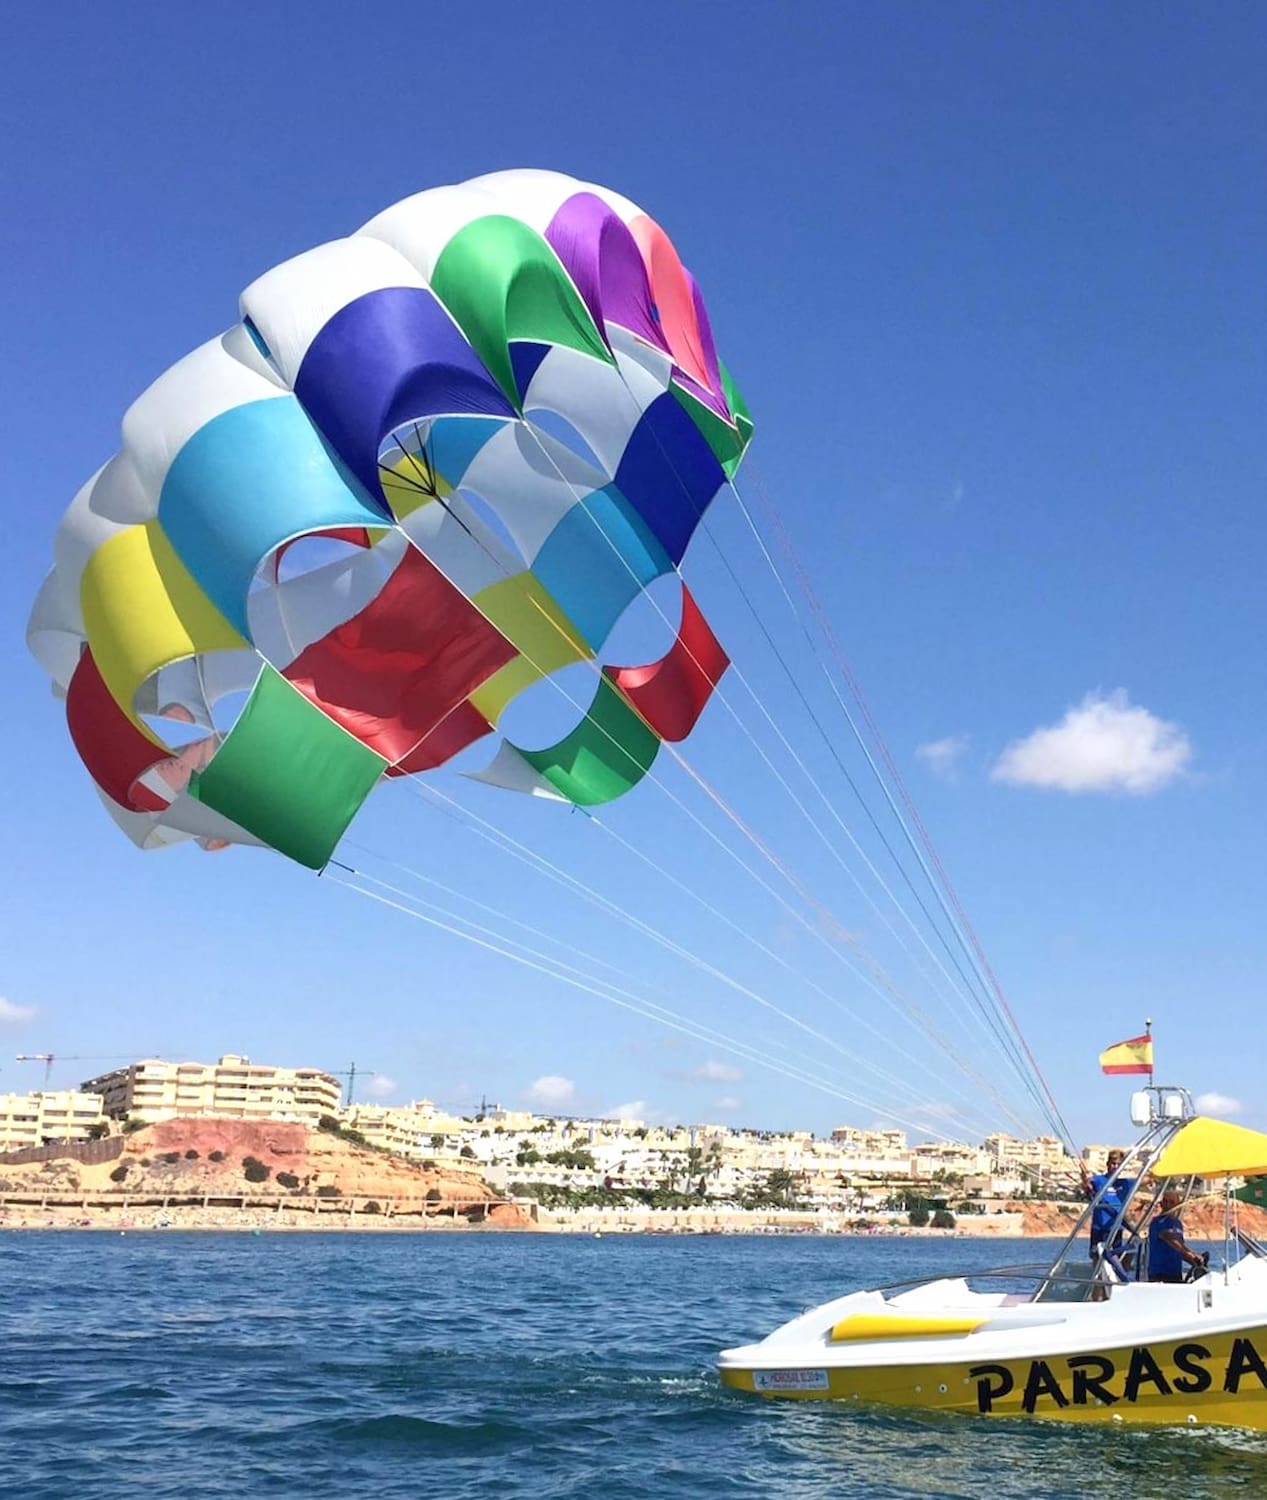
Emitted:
pixel 991 283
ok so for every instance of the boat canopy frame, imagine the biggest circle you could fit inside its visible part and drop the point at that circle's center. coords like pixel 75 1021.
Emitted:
pixel 1135 1188
pixel 1083 1271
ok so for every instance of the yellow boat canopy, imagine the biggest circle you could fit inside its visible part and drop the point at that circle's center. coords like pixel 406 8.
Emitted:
pixel 1213 1148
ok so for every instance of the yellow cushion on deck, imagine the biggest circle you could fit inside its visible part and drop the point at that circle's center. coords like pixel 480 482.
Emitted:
pixel 900 1326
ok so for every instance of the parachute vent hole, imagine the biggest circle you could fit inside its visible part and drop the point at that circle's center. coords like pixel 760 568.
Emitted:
pixel 648 626
pixel 551 708
pixel 175 732
pixel 308 553
pixel 257 339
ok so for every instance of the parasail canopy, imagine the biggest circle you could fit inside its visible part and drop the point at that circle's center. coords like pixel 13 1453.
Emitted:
pixel 497 414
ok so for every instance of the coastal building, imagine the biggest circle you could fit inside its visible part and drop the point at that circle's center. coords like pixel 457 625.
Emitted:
pixel 233 1088
pixel 1043 1158
pixel 418 1130
pixel 513 1119
pixel 870 1142
pixel 43 1118
pixel 955 1158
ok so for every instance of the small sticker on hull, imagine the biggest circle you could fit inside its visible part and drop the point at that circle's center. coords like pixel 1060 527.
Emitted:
pixel 789 1380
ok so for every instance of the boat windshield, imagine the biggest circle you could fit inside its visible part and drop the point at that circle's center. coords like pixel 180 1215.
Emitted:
pixel 1072 1278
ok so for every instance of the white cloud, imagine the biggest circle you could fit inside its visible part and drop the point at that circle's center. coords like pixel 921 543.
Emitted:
pixel 728 1103
pixel 716 1072
pixel 551 1090
pixel 1218 1104
pixel 1104 744
pixel 942 757
pixel 632 1109
pixel 11 1013
pixel 380 1086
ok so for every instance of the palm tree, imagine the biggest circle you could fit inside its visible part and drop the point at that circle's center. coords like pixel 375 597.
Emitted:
pixel 779 1184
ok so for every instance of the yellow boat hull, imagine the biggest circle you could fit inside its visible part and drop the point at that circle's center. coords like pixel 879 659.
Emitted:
pixel 1218 1379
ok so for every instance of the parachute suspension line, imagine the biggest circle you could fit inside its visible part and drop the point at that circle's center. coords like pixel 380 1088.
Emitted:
pixel 851 680
pixel 840 823
pixel 586 713
pixel 1006 1041
pixel 707 1032
pixel 1007 1047
pixel 646 929
pixel 702 1031
pixel 980 1014
pixel 431 489
pixel 512 846
pixel 845 946
pixel 979 1011
pixel 880 984
pixel 568 945
pixel 964 979
pixel 921 1021
pixel 941 887
pixel 720 693
pixel 552 971
pixel 778 958
pixel 958 920
pixel 859 885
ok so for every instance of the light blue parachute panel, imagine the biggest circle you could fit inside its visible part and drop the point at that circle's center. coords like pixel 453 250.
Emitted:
pixel 252 478
pixel 597 560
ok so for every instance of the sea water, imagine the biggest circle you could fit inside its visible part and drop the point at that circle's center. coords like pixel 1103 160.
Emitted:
pixel 178 1366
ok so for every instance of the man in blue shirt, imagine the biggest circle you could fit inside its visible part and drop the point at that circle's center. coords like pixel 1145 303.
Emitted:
pixel 1107 1209
pixel 1168 1252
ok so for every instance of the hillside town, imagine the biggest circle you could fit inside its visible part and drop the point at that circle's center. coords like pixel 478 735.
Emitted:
pixel 565 1166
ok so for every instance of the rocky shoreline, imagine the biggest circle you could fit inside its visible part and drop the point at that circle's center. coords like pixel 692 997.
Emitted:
pixel 211 1173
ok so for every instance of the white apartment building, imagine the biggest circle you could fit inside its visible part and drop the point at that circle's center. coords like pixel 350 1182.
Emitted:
pixel 958 1157
pixel 1042 1157
pixel 870 1142
pixel 233 1088
pixel 417 1130
pixel 54 1115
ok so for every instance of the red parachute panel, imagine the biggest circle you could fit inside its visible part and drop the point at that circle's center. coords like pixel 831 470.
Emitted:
pixel 454 732
pixel 394 672
pixel 110 745
pixel 670 694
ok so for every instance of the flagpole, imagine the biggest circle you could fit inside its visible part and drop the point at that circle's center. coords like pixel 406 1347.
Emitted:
pixel 1148 1032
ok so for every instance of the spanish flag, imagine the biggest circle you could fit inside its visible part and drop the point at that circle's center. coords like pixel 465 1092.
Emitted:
pixel 1134 1055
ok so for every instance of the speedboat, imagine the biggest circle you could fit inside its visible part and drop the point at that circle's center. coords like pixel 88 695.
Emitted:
pixel 1087 1338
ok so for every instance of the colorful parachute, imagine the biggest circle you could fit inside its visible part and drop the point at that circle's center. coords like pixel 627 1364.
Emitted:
pixel 499 407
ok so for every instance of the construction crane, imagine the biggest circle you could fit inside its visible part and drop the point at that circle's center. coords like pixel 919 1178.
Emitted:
pixel 49 1058
pixel 352 1074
